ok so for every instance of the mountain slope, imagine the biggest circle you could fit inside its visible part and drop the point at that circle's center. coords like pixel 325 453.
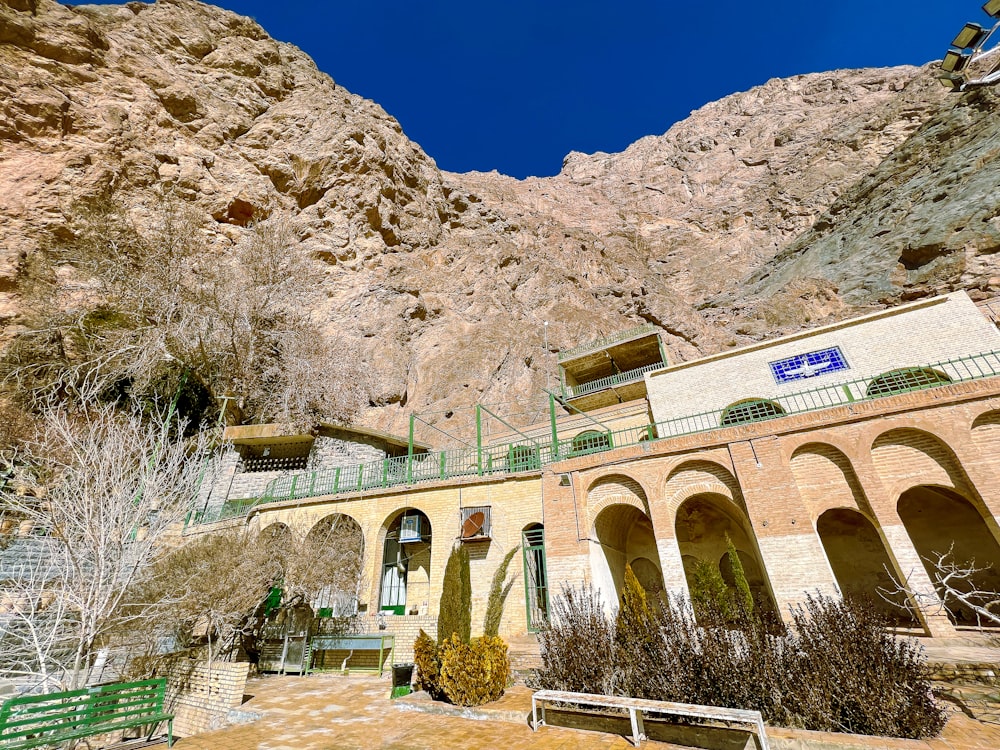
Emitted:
pixel 441 282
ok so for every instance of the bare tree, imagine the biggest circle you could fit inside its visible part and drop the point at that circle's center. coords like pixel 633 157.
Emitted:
pixel 109 488
pixel 216 585
pixel 164 303
pixel 956 586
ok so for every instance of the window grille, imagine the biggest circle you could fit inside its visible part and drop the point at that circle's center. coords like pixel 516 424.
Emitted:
pixel 906 379
pixel 477 523
pixel 590 442
pixel 751 410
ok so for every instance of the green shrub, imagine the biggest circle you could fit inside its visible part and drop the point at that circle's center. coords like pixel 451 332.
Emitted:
pixel 476 673
pixel 709 593
pixel 744 596
pixel 455 612
pixel 428 663
pixel 498 595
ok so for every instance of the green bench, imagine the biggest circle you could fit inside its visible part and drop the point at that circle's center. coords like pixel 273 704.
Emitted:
pixel 37 720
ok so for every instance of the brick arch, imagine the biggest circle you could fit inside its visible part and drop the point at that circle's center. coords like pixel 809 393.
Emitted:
pixel 342 523
pixel 906 457
pixel 986 433
pixel 701 478
pixel 826 480
pixel 615 489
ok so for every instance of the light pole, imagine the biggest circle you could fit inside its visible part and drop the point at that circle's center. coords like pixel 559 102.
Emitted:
pixel 974 56
pixel 545 337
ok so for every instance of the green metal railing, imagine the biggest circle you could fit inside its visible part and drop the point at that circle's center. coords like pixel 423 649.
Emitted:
pixel 620 378
pixel 606 341
pixel 531 455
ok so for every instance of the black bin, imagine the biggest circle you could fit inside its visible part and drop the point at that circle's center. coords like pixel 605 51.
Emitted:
pixel 402 676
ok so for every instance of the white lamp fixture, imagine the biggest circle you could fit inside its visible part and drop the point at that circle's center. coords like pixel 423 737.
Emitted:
pixel 974 57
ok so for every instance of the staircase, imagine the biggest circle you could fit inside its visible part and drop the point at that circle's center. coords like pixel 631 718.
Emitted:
pixel 966 672
pixel 524 654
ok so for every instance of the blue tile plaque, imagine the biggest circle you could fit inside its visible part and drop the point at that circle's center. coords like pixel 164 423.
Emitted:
pixel 811 365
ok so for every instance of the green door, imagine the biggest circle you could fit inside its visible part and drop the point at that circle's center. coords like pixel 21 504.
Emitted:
pixel 536 585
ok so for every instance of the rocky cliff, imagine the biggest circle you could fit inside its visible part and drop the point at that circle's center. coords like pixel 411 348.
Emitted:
pixel 797 201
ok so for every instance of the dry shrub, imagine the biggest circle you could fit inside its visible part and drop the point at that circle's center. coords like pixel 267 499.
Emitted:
pixel 577 645
pixel 838 669
pixel 476 673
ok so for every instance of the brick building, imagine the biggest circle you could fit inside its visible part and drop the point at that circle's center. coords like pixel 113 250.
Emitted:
pixel 835 459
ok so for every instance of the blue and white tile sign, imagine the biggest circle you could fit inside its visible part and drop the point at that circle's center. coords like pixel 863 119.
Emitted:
pixel 803 366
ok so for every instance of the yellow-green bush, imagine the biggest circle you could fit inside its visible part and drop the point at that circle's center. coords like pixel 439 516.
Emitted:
pixel 476 673
pixel 425 656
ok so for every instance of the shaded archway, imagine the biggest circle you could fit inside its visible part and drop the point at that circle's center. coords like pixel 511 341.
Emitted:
pixel 333 552
pixel 860 562
pixel 939 519
pixel 404 584
pixel 750 410
pixel 625 537
pixel 703 523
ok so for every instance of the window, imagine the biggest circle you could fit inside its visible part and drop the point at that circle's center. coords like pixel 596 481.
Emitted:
pixel 906 379
pixel 591 441
pixel 751 410
pixel 476 523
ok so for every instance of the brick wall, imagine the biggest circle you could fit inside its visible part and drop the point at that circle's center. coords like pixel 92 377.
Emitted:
pixel 200 702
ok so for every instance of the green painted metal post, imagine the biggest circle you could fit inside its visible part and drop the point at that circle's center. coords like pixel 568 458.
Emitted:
pixel 385 472
pixel 409 452
pixel 562 381
pixel 663 351
pixel 336 481
pixel 555 431
pixel 361 476
pixel 444 463
pixel 847 392
pixel 291 490
pixel 479 439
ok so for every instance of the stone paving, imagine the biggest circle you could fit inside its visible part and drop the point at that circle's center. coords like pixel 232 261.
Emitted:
pixel 324 712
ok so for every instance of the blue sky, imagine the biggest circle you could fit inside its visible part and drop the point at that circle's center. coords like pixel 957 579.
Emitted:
pixel 515 85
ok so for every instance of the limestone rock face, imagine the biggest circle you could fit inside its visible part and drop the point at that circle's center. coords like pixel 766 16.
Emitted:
pixel 788 204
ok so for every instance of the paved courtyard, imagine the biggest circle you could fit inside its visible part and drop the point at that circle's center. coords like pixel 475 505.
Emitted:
pixel 323 712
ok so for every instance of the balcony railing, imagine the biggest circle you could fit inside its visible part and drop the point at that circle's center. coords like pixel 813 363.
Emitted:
pixel 621 378
pixel 526 456
pixel 610 340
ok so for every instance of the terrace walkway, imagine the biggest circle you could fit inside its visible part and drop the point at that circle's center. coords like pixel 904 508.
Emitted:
pixel 332 711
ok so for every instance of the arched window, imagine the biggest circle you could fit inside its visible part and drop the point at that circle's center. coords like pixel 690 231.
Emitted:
pixel 906 379
pixel 750 410
pixel 590 441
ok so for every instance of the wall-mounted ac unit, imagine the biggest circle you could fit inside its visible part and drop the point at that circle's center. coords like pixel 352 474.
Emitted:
pixel 476 523
pixel 410 529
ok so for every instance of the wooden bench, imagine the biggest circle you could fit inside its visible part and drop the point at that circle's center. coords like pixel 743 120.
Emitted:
pixel 637 706
pixel 35 720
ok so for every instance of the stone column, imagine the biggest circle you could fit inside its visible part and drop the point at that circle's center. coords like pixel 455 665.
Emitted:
pixel 790 549
pixel 902 553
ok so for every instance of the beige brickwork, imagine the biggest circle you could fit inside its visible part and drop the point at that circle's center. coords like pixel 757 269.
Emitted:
pixel 769 482
pixel 199 698
pixel 922 333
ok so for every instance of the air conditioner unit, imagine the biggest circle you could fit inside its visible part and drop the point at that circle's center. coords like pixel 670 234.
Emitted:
pixel 410 529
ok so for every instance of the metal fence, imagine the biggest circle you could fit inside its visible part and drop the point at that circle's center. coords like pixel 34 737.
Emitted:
pixel 530 455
